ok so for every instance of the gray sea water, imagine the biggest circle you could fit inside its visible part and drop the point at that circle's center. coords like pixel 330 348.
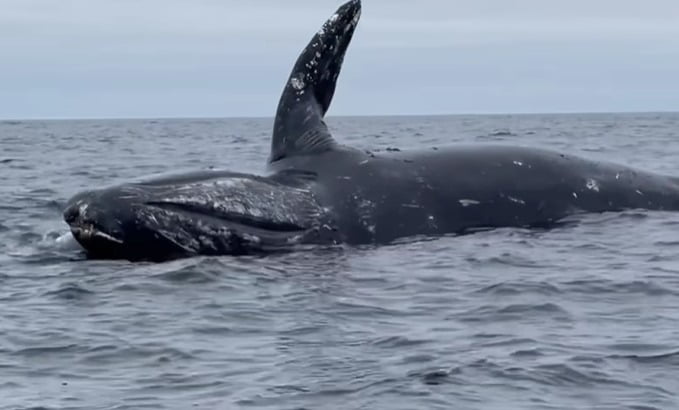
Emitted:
pixel 580 317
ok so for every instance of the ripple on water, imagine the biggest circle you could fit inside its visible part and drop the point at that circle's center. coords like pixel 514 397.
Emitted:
pixel 517 288
pixel 514 312
pixel 199 271
pixel 670 358
pixel 396 342
pixel 70 291
pixel 608 286
pixel 148 353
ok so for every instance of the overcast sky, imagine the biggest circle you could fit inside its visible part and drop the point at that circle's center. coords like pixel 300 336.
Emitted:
pixel 230 58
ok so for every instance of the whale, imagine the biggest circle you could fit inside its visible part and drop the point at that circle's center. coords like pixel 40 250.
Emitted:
pixel 315 191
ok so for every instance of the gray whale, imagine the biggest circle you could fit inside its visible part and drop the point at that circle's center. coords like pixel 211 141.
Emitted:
pixel 316 191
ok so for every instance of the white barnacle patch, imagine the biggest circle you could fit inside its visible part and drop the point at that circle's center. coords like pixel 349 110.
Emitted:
pixel 516 200
pixel 366 211
pixel 468 202
pixel 518 163
pixel 252 238
pixel 592 185
pixel 617 175
pixel 106 236
pixel 354 21
pixel 82 209
pixel 294 239
pixel 349 26
pixel 333 18
pixel 321 32
pixel 639 192
pixel 575 195
pixel 297 83
pixel 153 218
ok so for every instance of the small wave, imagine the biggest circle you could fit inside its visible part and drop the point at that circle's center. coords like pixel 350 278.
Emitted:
pixel 557 374
pixel 560 374
pixel 398 341
pixel 418 358
pixel 66 241
pixel 54 205
pixel 47 350
pixel 508 259
pixel 34 248
pixel 37 408
pixel 520 311
pixel 70 292
pixel 636 347
pixel 603 286
pixel 365 310
pixel 213 330
pixel 535 352
pixel 435 377
pixel 606 218
pixel 110 354
pixel 37 193
pixel 288 388
pixel 518 288
pixel 195 273
pixel 26 238
pixel 497 135
pixel 510 341
pixel 670 359
pixel 179 382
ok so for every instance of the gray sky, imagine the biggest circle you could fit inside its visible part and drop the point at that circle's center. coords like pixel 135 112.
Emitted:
pixel 225 58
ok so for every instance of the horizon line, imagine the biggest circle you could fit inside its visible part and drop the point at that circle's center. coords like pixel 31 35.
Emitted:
pixel 262 117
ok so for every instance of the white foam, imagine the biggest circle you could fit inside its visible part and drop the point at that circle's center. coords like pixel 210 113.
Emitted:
pixel 66 241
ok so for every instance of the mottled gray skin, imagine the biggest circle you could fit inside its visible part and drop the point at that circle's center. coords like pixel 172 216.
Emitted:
pixel 376 198
pixel 205 213
pixel 298 125
pixel 320 192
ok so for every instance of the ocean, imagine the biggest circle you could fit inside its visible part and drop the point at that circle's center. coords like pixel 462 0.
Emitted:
pixel 585 316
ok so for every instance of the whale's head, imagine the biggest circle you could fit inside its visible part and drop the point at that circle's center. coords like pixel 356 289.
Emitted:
pixel 220 213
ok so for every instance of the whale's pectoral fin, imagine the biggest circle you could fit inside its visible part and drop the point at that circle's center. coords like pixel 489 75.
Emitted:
pixel 299 127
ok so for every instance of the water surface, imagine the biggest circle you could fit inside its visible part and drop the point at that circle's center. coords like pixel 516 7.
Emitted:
pixel 581 317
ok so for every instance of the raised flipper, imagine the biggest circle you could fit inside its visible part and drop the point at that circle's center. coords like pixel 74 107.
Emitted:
pixel 299 128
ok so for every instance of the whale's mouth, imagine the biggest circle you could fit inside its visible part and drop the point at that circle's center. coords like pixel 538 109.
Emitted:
pixel 97 242
pixel 89 233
